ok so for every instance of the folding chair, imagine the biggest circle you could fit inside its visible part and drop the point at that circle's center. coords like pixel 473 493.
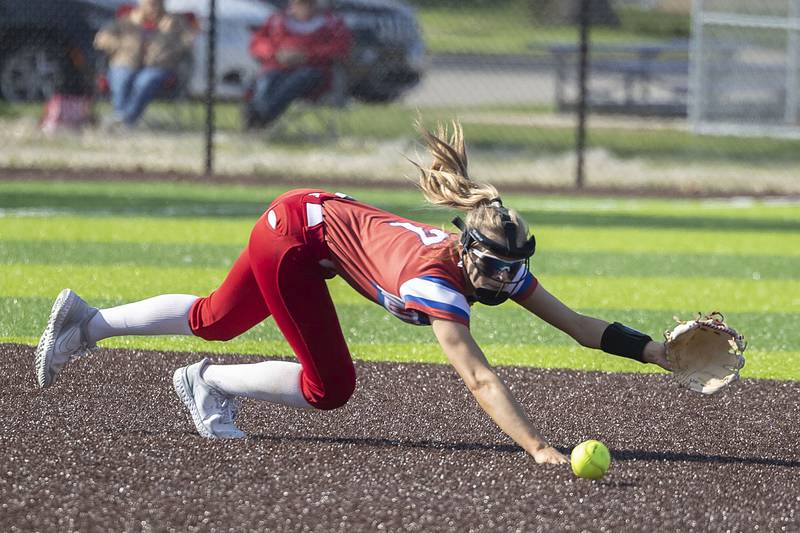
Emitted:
pixel 316 116
pixel 174 90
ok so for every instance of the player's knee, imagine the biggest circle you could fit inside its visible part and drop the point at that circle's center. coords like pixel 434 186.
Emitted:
pixel 211 335
pixel 333 401
pixel 213 332
pixel 336 396
pixel 205 324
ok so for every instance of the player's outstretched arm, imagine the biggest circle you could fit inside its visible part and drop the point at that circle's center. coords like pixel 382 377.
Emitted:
pixel 490 391
pixel 586 330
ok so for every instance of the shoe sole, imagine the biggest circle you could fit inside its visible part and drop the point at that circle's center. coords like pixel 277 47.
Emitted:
pixel 44 350
pixel 181 385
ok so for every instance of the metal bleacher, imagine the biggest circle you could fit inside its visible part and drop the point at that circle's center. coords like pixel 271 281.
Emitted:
pixel 632 78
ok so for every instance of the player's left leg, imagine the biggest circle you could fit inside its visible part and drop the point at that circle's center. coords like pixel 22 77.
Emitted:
pixel 74 327
pixel 64 337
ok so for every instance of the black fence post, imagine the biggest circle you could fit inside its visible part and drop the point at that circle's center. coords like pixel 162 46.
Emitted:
pixel 583 73
pixel 210 85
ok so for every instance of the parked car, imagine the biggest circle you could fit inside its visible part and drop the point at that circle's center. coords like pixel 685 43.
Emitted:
pixel 46 45
pixel 389 54
pixel 387 58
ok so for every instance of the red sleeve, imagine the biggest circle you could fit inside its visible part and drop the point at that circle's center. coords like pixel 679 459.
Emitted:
pixel 333 43
pixel 263 44
pixel 526 289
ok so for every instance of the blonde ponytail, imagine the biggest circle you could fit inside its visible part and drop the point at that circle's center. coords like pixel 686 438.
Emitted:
pixel 446 181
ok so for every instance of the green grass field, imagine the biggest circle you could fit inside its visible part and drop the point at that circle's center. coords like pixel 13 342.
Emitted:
pixel 507 29
pixel 639 261
pixel 484 126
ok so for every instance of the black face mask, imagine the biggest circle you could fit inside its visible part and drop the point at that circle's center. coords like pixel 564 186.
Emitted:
pixel 471 236
pixel 490 297
pixel 502 293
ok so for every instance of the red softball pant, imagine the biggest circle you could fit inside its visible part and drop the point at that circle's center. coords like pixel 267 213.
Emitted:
pixel 278 274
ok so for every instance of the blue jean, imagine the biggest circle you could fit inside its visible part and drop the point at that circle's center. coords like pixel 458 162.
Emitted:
pixel 276 89
pixel 132 90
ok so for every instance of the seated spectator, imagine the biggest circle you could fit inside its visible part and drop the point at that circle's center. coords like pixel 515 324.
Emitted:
pixel 145 45
pixel 297 48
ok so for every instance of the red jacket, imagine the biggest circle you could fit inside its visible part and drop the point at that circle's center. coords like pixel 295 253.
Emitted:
pixel 324 39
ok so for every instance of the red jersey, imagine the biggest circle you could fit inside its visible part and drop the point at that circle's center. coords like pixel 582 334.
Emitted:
pixel 403 265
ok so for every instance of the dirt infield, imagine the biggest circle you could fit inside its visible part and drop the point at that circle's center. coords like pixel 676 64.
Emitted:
pixel 109 447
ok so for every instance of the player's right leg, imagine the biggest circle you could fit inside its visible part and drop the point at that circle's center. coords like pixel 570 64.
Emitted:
pixel 302 308
pixel 291 282
pixel 229 311
pixel 292 285
pixel 212 411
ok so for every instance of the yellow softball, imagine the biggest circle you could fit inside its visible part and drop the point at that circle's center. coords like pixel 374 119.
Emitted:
pixel 590 459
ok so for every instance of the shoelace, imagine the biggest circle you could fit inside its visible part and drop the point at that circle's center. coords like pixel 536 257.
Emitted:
pixel 235 405
pixel 83 351
pixel 86 348
pixel 228 406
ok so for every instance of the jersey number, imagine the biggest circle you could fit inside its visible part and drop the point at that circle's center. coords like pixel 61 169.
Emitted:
pixel 427 236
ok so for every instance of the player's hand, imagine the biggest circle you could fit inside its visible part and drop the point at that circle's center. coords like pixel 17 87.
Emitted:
pixel 656 353
pixel 549 455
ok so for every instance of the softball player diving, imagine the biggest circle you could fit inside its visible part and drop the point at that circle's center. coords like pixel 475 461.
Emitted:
pixel 419 273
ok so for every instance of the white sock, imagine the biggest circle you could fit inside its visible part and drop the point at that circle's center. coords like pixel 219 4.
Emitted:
pixel 270 381
pixel 167 314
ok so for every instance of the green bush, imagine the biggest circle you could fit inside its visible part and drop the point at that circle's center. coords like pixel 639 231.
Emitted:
pixel 654 23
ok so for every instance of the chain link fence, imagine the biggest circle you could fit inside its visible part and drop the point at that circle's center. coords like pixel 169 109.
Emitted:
pixel 747 68
pixel 673 95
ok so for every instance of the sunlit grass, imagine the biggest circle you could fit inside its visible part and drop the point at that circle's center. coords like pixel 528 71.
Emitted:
pixel 640 261
pixel 509 28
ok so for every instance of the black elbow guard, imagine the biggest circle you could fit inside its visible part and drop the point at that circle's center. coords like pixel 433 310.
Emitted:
pixel 622 340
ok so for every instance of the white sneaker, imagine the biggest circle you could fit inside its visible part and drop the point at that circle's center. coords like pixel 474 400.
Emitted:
pixel 213 413
pixel 64 339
